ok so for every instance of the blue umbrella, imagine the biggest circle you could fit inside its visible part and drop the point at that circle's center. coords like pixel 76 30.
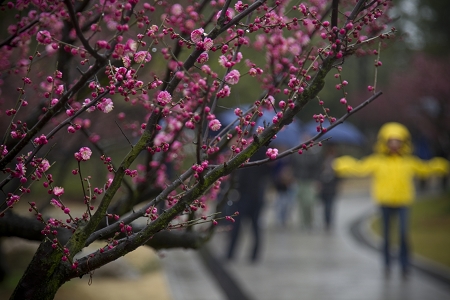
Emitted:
pixel 345 133
pixel 289 136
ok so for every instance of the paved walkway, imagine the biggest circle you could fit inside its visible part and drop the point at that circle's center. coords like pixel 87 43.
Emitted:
pixel 301 265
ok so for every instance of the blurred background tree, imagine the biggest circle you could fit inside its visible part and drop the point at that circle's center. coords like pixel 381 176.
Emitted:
pixel 415 79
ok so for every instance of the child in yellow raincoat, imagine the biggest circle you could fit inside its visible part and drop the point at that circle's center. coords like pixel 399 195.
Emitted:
pixel 392 168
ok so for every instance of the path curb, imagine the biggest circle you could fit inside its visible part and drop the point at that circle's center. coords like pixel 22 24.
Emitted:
pixel 227 282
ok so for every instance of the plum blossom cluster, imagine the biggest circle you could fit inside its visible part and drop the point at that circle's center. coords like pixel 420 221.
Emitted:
pixel 214 125
pixel 320 118
pixel 151 213
pixel 105 105
pixel 52 225
pixel 83 154
pixel 272 153
pixel 41 166
pixel 125 228
pixel 11 199
pixel 20 172
pixel 42 140
pixel 202 43
pixel 198 169
pixel 131 173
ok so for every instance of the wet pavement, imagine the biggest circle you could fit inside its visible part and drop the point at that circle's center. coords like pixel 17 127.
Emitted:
pixel 298 264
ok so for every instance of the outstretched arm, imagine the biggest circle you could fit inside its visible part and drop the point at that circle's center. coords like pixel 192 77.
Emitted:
pixel 347 166
pixel 435 166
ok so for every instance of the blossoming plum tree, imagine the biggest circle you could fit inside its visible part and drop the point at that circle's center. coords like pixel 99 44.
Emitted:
pixel 150 76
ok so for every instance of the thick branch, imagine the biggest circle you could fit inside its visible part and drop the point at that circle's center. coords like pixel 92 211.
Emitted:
pixel 178 239
pixel 19 226
pixel 334 13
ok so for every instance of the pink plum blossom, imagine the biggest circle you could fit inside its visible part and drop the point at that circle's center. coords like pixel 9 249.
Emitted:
pixel 203 58
pixel 208 44
pixel 44 37
pixel 43 166
pixel 59 89
pixel 58 191
pixel 55 203
pixel 189 124
pixel 176 9
pixel 142 56
pixel 224 92
pixel 54 102
pixel 252 72
pixel 86 102
pixel 214 125
pixel 3 151
pixel 229 14
pixel 239 6
pixel 163 98
pixel 197 35
pixel 259 130
pixel 272 153
pixel 106 105
pixel 20 171
pixel 232 77
pixel 84 154
pixel 131 45
pixel 42 140
pixel 223 60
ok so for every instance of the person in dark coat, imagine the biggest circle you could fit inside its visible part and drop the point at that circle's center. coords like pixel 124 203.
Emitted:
pixel 328 185
pixel 250 184
pixel 306 172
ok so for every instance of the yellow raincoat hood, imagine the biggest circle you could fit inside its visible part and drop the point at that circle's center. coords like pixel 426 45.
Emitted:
pixel 396 131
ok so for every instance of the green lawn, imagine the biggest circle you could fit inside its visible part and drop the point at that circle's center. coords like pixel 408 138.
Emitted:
pixel 429 228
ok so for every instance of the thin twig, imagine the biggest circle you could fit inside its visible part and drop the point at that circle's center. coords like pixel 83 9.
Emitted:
pixel 376 68
pixel 123 133
pixel 317 136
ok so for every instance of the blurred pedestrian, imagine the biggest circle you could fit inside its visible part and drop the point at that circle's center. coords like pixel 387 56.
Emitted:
pixel 392 168
pixel 328 184
pixel 306 172
pixel 250 186
pixel 286 190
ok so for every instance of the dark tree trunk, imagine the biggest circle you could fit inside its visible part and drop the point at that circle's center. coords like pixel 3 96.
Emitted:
pixel 43 276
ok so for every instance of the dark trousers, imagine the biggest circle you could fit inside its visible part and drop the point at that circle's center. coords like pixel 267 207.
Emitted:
pixel 387 213
pixel 328 204
pixel 251 215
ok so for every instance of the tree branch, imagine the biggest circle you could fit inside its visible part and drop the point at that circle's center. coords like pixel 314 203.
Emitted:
pixel 178 239
pixel 20 226
pixel 319 135
pixel 334 13
pixel 8 40
pixel 80 35
pixel 139 213
pixel 50 113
